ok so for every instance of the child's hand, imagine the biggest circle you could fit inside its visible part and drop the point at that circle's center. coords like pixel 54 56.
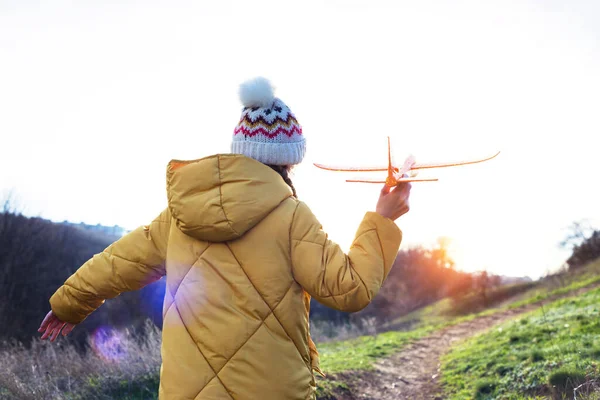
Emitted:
pixel 52 326
pixel 393 202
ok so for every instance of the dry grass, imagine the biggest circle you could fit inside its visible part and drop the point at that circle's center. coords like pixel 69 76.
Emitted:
pixel 127 368
pixel 325 331
pixel 58 371
pixel 590 390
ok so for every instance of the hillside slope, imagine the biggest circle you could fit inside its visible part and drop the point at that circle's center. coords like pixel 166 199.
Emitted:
pixel 36 257
pixel 415 372
pixel 546 353
pixel 404 364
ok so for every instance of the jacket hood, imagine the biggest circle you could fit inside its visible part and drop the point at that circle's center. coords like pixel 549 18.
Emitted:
pixel 221 197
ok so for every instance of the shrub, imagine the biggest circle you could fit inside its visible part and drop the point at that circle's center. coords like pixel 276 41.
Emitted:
pixel 503 369
pixel 536 355
pixel 565 380
pixel 484 387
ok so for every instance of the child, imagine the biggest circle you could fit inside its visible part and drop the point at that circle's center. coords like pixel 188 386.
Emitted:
pixel 242 257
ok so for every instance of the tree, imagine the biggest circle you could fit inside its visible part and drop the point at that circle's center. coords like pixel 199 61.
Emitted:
pixel 586 251
pixel 577 233
pixel 484 283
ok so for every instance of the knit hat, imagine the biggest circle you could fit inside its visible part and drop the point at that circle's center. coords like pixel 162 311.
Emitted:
pixel 267 131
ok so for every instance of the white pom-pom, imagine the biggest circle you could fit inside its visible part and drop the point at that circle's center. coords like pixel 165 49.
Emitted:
pixel 256 92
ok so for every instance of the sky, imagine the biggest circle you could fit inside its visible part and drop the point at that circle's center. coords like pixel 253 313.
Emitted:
pixel 96 97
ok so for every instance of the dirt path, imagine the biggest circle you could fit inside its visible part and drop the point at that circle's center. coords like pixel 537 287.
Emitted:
pixel 413 373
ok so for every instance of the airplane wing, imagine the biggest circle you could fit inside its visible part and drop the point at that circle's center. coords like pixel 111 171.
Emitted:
pixel 350 169
pixel 401 180
pixel 408 163
pixel 399 175
pixel 453 164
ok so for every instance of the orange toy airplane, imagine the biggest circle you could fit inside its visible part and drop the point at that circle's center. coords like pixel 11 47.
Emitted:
pixel 399 175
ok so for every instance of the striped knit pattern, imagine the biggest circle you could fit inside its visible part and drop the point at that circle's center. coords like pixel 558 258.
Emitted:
pixel 271 135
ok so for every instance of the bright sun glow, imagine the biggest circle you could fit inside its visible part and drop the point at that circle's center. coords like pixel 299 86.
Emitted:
pixel 98 96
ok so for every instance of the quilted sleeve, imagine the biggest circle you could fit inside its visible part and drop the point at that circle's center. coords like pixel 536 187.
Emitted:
pixel 345 282
pixel 132 262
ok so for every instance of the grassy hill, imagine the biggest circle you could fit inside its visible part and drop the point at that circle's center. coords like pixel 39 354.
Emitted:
pixel 509 296
pixel 338 358
pixel 466 370
pixel 31 372
pixel 538 355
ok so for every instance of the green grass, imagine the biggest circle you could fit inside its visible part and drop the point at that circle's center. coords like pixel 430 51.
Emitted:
pixel 330 389
pixel 543 293
pixel 143 388
pixel 544 353
pixel 360 353
pixel 444 312
pixel 432 314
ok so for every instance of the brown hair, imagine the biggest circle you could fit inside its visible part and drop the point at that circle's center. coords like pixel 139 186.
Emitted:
pixel 284 171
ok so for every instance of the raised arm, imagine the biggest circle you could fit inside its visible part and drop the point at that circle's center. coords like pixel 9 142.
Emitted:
pixel 132 262
pixel 348 282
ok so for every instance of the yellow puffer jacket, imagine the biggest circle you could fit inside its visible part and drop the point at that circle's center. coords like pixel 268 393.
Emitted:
pixel 242 258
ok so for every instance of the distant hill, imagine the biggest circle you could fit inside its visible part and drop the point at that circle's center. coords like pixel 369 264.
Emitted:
pixel 509 280
pixel 111 232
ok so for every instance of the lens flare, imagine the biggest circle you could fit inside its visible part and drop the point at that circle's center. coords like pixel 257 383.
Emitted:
pixel 153 298
pixel 108 344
